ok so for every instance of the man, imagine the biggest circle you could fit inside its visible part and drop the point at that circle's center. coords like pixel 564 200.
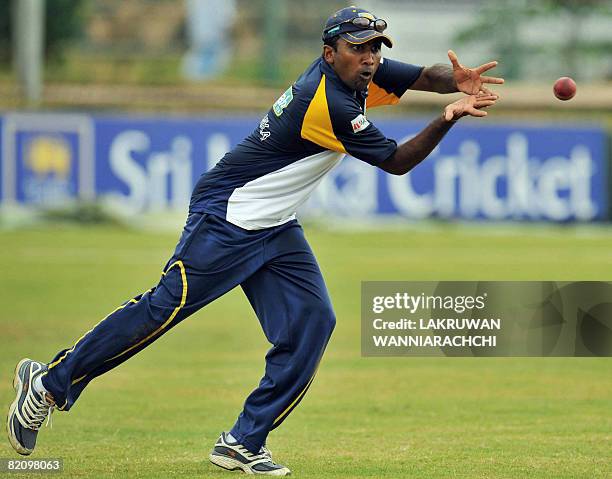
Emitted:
pixel 241 230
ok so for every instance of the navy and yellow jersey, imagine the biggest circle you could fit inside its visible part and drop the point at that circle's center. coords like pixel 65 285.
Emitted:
pixel 265 178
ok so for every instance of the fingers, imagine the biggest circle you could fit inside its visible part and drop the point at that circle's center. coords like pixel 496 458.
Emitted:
pixel 486 96
pixel 484 104
pixel 482 100
pixel 472 105
pixel 453 59
pixel 497 81
pixel 485 99
pixel 475 112
pixel 476 108
pixel 485 91
pixel 485 67
pixel 448 114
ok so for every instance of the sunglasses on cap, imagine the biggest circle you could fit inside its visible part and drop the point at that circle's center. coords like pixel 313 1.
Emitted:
pixel 360 22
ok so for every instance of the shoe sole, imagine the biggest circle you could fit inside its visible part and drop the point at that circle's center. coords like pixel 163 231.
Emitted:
pixel 18 386
pixel 230 464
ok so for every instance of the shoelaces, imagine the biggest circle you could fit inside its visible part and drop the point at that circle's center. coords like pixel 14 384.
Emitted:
pixel 35 410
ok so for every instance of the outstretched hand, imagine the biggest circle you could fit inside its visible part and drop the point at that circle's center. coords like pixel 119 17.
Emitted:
pixel 470 80
pixel 470 105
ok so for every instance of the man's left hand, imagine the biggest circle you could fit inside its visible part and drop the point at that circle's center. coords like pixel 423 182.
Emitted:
pixel 470 80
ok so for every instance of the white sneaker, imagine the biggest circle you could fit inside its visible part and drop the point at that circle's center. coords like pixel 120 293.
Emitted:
pixel 29 409
pixel 232 456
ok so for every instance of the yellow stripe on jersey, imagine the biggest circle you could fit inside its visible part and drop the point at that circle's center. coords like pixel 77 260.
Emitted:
pixel 317 126
pixel 378 96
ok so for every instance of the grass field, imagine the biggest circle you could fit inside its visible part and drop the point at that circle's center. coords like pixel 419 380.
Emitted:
pixel 159 414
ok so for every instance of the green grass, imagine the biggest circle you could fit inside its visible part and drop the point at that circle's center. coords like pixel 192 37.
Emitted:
pixel 158 414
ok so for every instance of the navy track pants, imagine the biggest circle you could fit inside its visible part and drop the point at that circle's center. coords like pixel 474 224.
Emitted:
pixel 279 275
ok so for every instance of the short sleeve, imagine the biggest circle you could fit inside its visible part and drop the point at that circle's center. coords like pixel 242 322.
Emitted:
pixel 391 81
pixel 359 136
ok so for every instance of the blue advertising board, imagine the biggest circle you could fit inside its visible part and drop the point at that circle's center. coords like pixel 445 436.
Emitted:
pixel 498 172
pixel 482 172
pixel 152 165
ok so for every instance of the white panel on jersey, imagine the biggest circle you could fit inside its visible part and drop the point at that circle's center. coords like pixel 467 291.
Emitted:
pixel 273 199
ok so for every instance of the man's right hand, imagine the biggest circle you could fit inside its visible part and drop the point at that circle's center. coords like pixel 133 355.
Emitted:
pixel 469 105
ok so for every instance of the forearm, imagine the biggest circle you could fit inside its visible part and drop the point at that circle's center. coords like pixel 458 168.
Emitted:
pixel 411 153
pixel 436 78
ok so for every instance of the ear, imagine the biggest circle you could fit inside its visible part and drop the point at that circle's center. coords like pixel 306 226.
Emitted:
pixel 328 54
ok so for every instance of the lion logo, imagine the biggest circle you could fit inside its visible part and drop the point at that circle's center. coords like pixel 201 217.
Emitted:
pixel 49 156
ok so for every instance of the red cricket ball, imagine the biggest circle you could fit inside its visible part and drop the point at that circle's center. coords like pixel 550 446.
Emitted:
pixel 565 88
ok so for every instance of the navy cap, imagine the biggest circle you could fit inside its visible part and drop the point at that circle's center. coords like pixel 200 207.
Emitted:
pixel 339 24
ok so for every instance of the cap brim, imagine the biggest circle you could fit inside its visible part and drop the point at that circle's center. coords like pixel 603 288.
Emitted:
pixel 364 36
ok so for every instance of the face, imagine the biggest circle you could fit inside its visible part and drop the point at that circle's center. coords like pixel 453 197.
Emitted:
pixel 354 64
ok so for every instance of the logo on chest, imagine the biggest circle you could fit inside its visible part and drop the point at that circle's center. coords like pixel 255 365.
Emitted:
pixel 359 123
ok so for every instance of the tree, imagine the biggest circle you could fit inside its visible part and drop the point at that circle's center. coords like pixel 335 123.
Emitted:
pixel 500 24
pixel 63 22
